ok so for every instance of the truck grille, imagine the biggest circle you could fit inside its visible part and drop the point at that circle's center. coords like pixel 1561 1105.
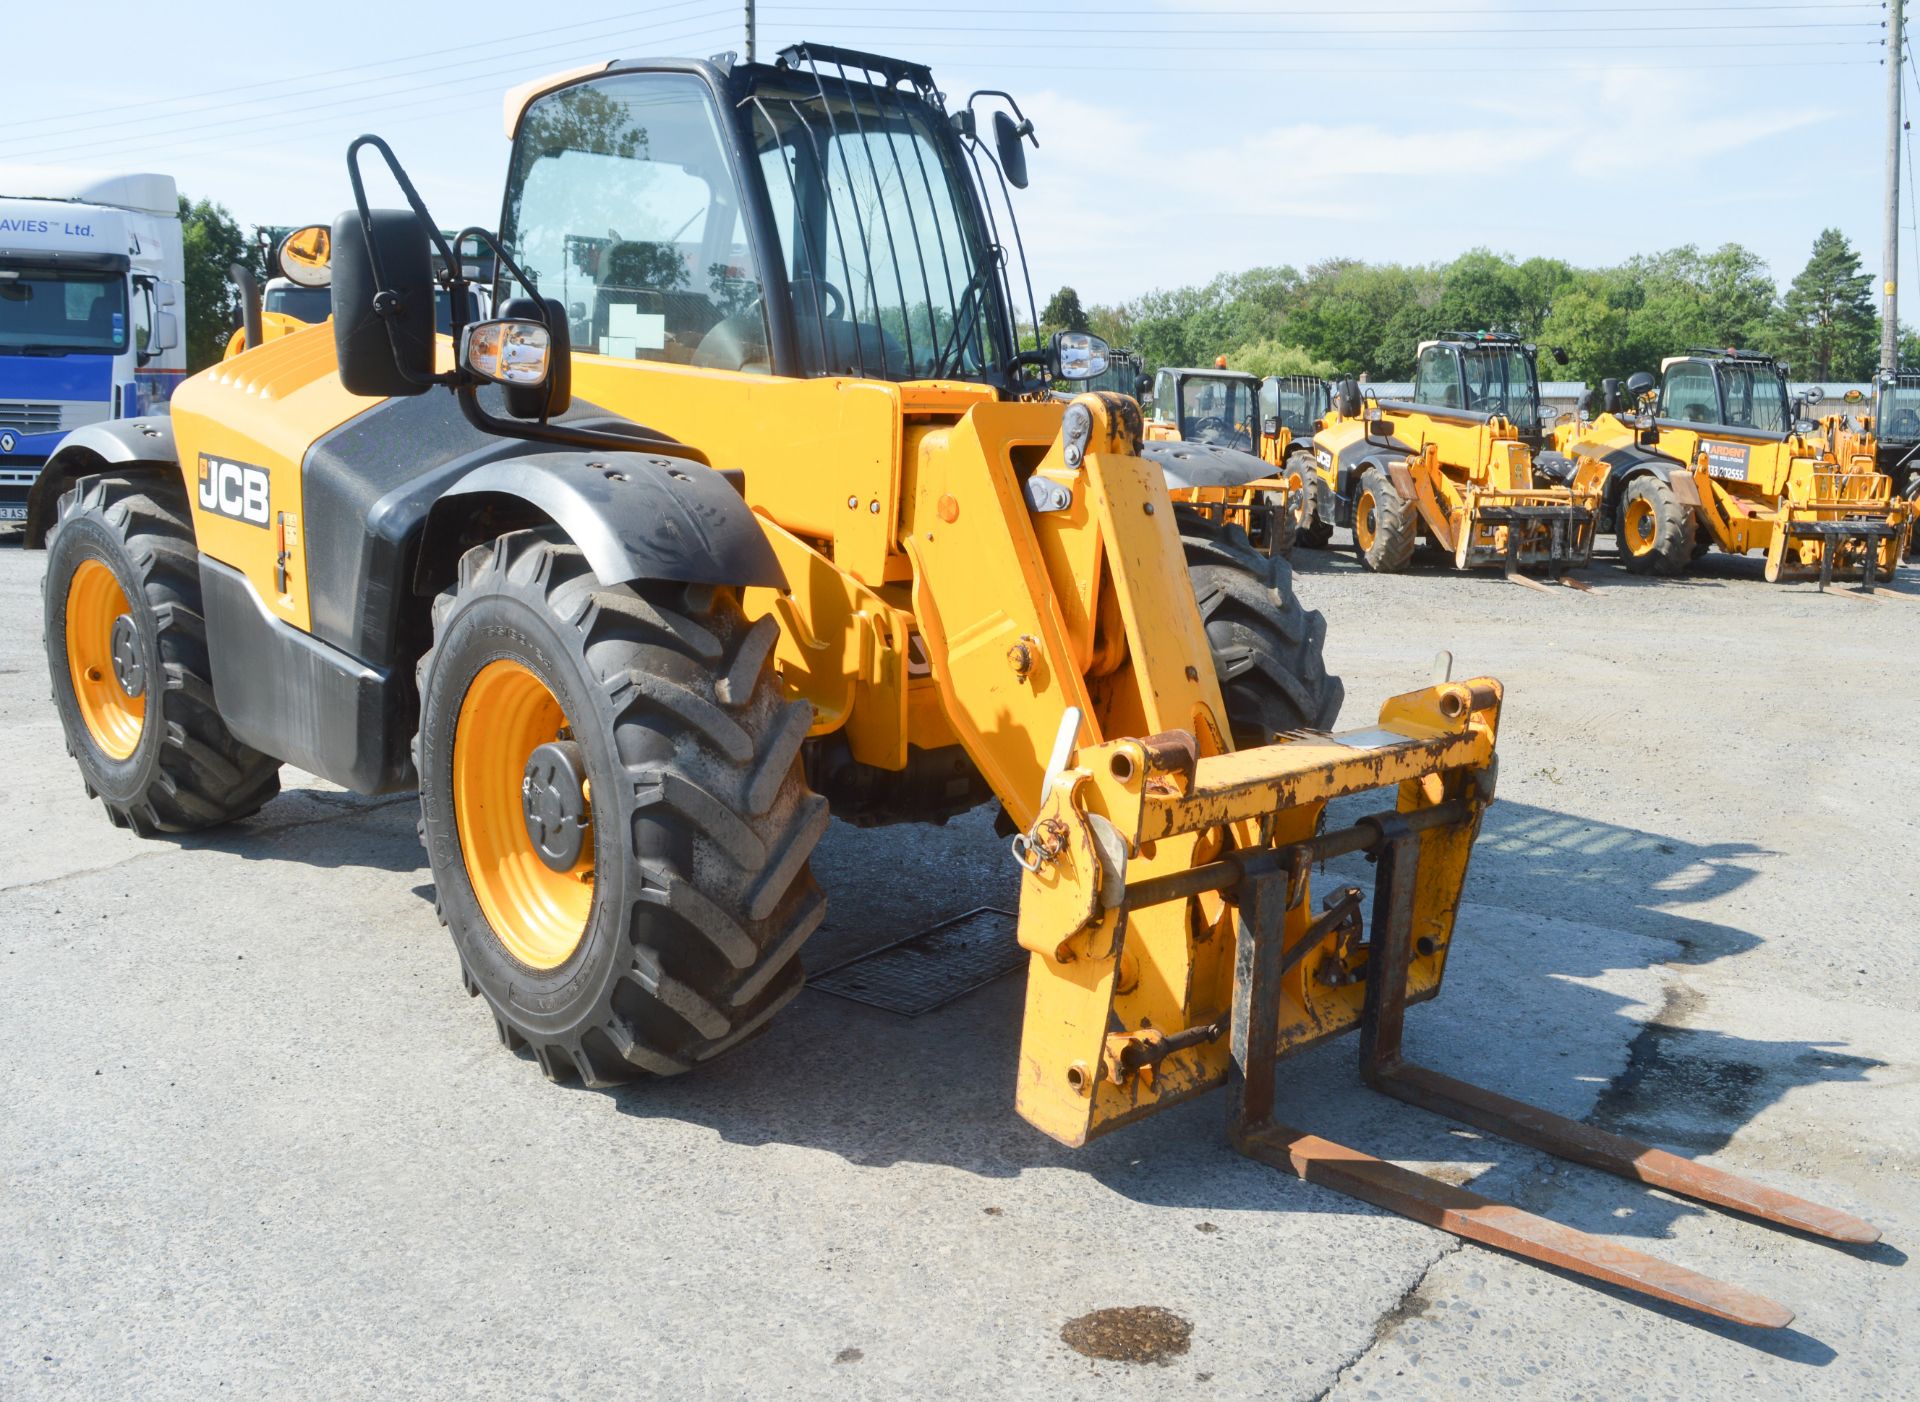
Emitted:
pixel 24 416
pixel 29 418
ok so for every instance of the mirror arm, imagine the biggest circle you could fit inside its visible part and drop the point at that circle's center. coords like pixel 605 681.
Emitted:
pixel 383 304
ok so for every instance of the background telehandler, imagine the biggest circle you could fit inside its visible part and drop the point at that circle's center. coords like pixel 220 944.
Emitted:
pixel 1461 462
pixel 1236 469
pixel 748 509
pixel 1717 453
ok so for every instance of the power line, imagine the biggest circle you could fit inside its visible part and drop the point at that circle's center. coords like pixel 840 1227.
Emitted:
pixel 281 96
pixel 473 82
pixel 1104 12
pixel 1373 33
pixel 226 93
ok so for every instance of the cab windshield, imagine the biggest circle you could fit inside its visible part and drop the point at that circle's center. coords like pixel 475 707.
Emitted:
pixel 1755 396
pixel 1500 380
pixel 59 311
pixel 1221 412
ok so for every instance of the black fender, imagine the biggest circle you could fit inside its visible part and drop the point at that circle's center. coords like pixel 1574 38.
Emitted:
pixel 145 443
pixel 633 515
pixel 1625 461
pixel 1356 457
pixel 1189 465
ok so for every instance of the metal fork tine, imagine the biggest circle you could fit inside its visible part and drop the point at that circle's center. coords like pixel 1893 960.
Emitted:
pixel 1496 1224
pixel 1615 1153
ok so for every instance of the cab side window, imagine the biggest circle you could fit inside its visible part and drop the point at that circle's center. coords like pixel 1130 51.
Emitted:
pixel 1687 394
pixel 622 205
pixel 1437 380
pixel 1164 408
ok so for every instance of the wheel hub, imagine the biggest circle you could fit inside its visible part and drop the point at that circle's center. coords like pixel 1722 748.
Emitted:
pixel 128 670
pixel 553 803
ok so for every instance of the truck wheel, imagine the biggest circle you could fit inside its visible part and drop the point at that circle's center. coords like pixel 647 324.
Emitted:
pixel 613 807
pixel 1384 523
pixel 127 654
pixel 1655 533
pixel 1268 652
pixel 1315 530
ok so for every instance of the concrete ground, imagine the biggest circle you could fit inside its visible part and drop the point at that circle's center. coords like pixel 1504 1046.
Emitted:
pixel 255 1140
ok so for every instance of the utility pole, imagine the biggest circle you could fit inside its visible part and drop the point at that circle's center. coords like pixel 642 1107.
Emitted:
pixel 1890 257
pixel 750 34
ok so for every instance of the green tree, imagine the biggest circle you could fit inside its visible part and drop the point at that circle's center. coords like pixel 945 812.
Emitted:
pixel 1271 357
pixel 1826 324
pixel 210 243
pixel 1063 312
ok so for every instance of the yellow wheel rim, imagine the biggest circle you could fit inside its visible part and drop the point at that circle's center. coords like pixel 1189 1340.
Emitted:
pixel 1641 525
pixel 112 698
pixel 1363 523
pixel 539 914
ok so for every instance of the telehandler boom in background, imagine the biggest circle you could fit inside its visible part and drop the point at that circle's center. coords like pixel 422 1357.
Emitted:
pixel 749 508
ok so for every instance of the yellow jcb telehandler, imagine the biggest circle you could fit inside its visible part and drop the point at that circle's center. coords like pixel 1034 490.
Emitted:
pixel 1716 453
pixel 747 508
pixel 1461 462
pixel 1235 466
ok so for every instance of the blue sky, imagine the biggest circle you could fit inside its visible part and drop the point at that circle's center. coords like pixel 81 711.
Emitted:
pixel 1178 138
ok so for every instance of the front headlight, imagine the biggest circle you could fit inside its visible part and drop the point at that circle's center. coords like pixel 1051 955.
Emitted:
pixel 1077 355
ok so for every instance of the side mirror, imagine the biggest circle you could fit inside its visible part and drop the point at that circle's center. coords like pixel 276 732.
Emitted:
pixel 1559 354
pixel 166 332
pixel 1077 355
pixel 1143 388
pixel 506 352
pixel 1640 384
pixel 1611 401
pixel 391 354
pixel 165 295
pixel 304 255
pixel 1006 144
pixel 1346 399
pixel 549 396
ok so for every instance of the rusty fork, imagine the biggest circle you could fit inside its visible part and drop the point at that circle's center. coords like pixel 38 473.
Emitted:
pixel 1254 1027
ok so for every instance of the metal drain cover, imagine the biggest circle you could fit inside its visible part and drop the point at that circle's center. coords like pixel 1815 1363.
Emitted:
pixel 929 970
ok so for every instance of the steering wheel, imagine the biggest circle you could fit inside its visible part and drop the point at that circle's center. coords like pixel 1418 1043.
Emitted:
pixel 1213 423
pixel 1906 424
pixel 806 288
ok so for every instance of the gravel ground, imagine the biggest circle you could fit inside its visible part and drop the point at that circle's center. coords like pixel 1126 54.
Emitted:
pixel 254 1138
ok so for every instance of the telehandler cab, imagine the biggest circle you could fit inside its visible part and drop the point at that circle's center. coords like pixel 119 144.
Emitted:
pixel 1716 453
pixel 1234 469
pixel 1461 461
pixel 858 559
pixel 1886 438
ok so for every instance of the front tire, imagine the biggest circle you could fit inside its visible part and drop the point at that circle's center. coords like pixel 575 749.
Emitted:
pixel 127 655
pixel 1655 532
pixel 640 728
pixel 1268 651
pixel 1384 523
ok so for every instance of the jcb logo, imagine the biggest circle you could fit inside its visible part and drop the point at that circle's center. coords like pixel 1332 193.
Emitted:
pixel 234 489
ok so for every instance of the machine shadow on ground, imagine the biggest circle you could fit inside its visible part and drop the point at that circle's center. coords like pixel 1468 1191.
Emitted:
pixel 876 1089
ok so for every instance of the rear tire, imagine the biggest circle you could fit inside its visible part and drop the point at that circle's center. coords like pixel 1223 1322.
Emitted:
pixel 1655 533
pixel 127 652
pixel 698 821
pixel 1268 651
pixel 1384 523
